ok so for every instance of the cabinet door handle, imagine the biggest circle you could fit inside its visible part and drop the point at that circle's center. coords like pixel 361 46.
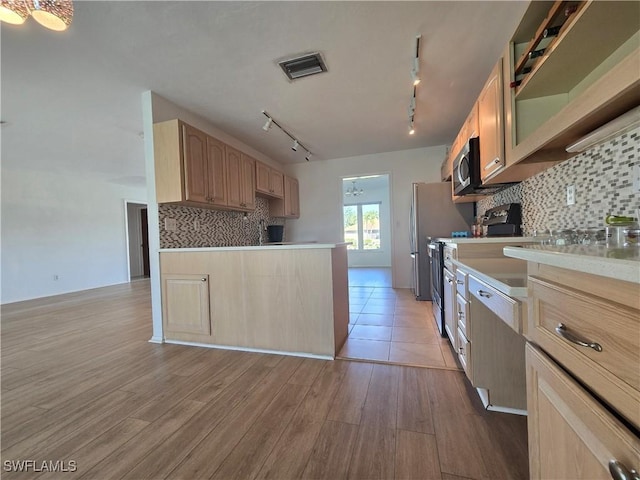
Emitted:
pixel 449 281
pixel 620 472
pixel 460 314
pixel 484 294
pixel 204 279
pixel 561 330
pixel 459 282
pixel 492 163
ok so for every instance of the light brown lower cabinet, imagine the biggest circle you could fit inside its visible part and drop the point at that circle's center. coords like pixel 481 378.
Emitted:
pixel 185 299
pixel 571 434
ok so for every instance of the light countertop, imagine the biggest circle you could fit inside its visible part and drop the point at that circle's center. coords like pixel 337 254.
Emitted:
pixel 507 275
pixel 486 240
pixel 617 263
pixel 266 246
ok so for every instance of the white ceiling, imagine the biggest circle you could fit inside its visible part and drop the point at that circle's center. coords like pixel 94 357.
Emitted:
pixel 72 100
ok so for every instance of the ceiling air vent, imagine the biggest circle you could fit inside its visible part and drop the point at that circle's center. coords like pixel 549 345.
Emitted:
pixel 304 66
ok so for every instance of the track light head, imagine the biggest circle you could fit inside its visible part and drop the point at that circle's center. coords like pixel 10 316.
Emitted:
pixel 308 156
pixel 267 125
pixel 412 130
pixel 294 147
pixel 415 78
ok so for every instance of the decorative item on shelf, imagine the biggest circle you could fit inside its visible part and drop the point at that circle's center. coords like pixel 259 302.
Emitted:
pixel 52 14
pixel 353 191
pixel 296 143
pixel 545 36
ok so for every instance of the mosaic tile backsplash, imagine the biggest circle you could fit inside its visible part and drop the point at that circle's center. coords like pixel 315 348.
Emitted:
pixel 603 185
pixel 215 228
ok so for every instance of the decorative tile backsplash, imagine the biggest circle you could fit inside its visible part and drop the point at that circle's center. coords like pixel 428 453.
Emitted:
pixel 603 183
pixel 200 227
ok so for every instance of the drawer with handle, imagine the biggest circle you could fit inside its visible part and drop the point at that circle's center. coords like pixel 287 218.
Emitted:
pixel 593 338
pixel 464 353
pixel 461 282
pixel 450 253
pixel 505 307
pixel 462 313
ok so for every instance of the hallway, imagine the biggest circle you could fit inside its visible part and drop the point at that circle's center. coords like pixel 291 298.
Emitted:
pixel 388 325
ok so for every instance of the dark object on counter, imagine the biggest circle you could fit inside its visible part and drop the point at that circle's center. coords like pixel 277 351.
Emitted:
pixel 276 233
pixel 504 221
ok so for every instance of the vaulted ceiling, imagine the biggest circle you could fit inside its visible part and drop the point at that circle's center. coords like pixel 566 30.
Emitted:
pixel 72 101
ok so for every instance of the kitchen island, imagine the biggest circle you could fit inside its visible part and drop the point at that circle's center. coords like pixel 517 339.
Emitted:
pixel 289 298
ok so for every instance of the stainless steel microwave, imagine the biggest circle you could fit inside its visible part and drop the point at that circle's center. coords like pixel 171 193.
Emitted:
pixel 466 172
pixel 466 168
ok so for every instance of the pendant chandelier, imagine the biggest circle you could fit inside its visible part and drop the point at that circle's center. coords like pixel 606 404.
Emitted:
pixel 52 14
pixel 353 191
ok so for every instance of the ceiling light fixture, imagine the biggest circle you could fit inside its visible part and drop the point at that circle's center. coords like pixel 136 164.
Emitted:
pixel 412 112
pixel 52 14
pixel 353 191
pixel 14 12
pixel 296 142
pixel 416 80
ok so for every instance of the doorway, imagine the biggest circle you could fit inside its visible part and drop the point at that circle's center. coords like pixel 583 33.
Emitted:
pixel 366 213
pixel 137 232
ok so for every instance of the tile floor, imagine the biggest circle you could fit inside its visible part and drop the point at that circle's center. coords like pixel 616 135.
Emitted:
pixel 389 325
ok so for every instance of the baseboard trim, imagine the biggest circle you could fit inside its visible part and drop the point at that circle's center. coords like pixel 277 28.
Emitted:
pixel 248 349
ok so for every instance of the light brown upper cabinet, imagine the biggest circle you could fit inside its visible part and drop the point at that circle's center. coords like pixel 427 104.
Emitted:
pixel 289 206
pixel 490 124
pixel 216 172
pixel 189 164
pixel 269 181
pixel 586 76
pixel 240 179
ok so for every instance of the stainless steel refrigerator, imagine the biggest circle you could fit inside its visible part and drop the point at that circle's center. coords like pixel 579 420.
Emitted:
pixel 433 214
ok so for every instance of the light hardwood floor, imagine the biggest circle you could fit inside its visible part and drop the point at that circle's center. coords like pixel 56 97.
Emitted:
pixel 81 383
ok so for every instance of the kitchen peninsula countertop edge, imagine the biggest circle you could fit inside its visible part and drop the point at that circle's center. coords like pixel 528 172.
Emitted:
pixel 279 246
pixel 617 263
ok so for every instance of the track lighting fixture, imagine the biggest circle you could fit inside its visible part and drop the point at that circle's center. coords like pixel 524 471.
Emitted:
pixel 412 112
pixel 416 80
pixel 296 142
pixel 415 70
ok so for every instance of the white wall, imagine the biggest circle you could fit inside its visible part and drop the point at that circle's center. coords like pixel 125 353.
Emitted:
pixel 64 225
pixel 321 197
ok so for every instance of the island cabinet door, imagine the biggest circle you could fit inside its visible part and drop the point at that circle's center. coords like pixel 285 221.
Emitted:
pixel 185 299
